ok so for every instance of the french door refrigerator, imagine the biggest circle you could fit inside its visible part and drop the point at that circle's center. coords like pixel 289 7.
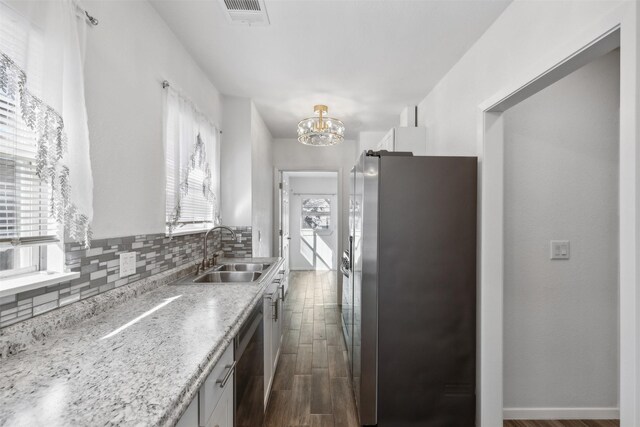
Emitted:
pixel 410 318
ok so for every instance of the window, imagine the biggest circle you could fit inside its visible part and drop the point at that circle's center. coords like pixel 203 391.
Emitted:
pixel 316 214
pixel 25 224
pixel 192 166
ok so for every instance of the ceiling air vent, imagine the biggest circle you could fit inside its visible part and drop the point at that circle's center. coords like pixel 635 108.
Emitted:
pixel 245 12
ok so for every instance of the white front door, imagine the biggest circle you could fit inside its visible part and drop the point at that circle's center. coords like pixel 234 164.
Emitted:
pixel 314 237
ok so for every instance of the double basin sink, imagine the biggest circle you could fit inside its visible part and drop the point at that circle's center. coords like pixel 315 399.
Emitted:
pixel 232 273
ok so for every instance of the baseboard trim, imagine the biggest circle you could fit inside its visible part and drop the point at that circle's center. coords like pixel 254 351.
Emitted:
pixel 561 413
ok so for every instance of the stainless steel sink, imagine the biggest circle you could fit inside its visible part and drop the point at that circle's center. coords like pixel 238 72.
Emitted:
pixel 239 266
pixel 228 277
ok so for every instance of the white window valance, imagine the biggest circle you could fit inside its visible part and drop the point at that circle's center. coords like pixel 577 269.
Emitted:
pixel 192 159
pixel 45 175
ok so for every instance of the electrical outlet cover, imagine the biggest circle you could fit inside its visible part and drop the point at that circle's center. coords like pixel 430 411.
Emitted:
pixel 127 264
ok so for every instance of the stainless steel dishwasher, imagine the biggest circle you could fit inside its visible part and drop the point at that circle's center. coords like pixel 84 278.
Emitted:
pixel 249 356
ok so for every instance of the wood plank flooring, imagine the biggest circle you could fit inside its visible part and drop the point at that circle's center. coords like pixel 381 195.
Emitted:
pixel 311 386
pixel 562 423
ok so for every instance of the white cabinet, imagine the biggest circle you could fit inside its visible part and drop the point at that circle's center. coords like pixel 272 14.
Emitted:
pixel 411 139
pixel 216 393
pixel 268 337
pixel 273 310
pixel 222 415
pixel 277 330
pixel 190 417
pixel 213 405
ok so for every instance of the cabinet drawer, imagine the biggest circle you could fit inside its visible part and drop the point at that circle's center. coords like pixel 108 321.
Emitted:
pixel 213 386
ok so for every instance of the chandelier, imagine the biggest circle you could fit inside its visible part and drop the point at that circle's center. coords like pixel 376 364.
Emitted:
pixel 320 130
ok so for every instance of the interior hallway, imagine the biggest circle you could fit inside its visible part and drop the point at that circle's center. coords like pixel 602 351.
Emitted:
pixel 311 386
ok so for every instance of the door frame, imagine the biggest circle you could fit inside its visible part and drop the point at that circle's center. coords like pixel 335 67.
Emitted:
pixel 276 205
pixel 620 28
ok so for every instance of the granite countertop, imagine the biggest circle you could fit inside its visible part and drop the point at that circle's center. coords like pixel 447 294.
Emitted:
pixel 137 364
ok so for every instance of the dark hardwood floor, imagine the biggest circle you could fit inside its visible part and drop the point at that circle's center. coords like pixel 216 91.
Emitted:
pixel 562 423
pixel 311 386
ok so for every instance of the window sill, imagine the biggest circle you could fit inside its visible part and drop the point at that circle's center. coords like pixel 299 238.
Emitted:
pixel 27 282
pixel 184 232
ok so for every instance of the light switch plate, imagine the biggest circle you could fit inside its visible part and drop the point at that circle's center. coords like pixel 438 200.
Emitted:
pixel 559 249
pixel 127 264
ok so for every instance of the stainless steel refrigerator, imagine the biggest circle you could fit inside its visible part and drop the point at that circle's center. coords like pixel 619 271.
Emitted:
pixel 409 300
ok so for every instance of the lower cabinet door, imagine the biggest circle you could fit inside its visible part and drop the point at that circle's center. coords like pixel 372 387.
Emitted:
pixel 213 388
pixel 268 336
pixel 222 416
pixel 219 416
pixel 190 417
pixel 276 332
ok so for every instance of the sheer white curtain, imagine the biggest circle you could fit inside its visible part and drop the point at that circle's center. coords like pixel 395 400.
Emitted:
pixel 41 73
pixel 192 153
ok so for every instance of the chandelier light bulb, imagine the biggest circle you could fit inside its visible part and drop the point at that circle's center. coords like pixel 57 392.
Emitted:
pixel 320 130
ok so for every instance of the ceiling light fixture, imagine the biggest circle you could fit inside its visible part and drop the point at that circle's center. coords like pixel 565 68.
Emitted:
pixel 320 130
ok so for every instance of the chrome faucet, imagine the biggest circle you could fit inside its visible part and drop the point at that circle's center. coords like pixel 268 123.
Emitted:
pixel 204 243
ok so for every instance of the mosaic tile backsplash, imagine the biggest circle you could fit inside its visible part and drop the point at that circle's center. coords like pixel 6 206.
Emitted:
pixel 99 268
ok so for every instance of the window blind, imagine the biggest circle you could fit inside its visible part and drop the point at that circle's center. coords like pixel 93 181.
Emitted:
pixel 190 184
pixel 24 198
pixel 194 207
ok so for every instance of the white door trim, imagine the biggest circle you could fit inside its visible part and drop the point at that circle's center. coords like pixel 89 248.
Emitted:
pixel 341 227
pixel 622 23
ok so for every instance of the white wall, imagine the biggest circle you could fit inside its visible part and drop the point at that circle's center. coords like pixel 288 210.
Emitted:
pixel 127 57
pixel 313 185
pixel 368 140
pixel 508 51
pixel 247 172
pixel 235 161
pixel 327 187
pixel 289 154
pixel 561 172
pixel 261 185
pixel 528 39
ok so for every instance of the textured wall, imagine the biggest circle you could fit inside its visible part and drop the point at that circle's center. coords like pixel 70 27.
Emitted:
pixel 561 182
pixel 261 185
pixel 235 161
pixel 527 33
pixel 127 57
pixel 290 155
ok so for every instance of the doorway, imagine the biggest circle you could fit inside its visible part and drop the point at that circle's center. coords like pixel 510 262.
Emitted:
pixel 561 249
pixel 313 219
pixel 602 38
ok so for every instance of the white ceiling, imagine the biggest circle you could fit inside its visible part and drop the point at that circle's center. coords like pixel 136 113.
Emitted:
pixel 365 59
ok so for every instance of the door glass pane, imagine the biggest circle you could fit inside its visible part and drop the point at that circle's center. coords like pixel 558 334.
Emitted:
pixel 316 214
